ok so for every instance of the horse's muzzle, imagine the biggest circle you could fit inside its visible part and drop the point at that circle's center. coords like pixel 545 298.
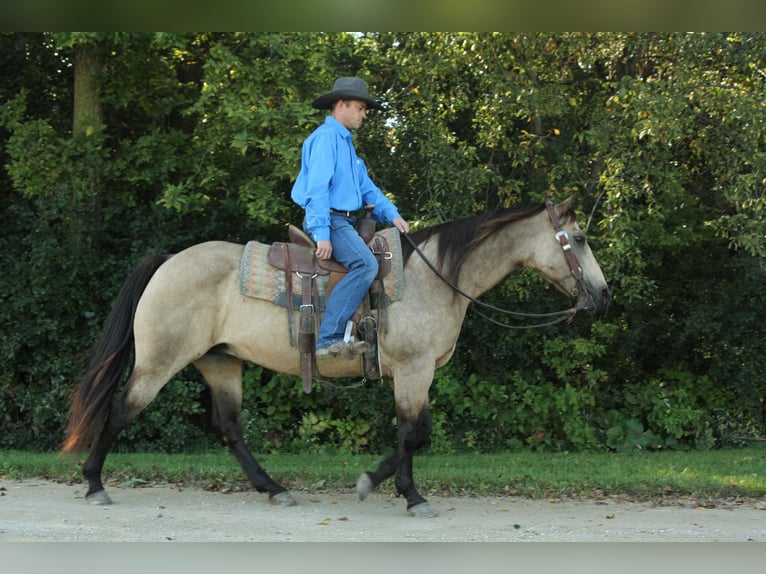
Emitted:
pixel 593 300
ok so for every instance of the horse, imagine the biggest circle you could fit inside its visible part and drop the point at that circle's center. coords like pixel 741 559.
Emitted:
pixel 186 308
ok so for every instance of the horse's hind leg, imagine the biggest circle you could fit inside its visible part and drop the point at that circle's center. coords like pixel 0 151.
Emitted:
pixel 94 463
pixel 223 374
pixel 141 389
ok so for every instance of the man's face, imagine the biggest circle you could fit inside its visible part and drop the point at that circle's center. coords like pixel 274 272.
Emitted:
pixel 350 113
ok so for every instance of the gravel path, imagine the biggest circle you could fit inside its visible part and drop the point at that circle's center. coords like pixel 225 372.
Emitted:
pixel 38 510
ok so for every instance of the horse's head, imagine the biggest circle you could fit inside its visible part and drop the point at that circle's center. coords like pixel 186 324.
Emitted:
pixel 564 258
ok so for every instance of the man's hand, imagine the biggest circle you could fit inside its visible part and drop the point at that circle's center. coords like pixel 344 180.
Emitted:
pixel 401 225
pixel 324 249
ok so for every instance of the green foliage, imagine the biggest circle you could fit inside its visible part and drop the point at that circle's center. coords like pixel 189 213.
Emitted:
pixel 278 416
pixel 317 431
pixel 628 434
pixel 176 421
pixel 661 137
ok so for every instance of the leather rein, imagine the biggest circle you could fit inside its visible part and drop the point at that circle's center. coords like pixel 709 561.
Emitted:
pixel 562 238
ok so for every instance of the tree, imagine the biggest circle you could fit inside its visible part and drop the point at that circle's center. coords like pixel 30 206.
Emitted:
pixel 196 136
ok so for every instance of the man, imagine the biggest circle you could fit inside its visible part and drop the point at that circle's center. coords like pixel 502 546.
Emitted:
pixel 331 186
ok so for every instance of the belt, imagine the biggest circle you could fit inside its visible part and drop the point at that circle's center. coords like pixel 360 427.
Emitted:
pixel 346 213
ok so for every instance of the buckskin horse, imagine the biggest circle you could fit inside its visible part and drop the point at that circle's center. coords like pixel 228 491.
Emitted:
pixel 185 308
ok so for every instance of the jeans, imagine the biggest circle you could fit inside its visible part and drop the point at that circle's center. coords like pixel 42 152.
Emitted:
pixel 349 249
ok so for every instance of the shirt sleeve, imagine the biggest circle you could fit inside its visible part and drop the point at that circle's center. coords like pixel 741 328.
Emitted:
pixel 385 211
pixel 318 159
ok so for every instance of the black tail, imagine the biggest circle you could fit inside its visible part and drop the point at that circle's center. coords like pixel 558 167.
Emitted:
pixel 112 360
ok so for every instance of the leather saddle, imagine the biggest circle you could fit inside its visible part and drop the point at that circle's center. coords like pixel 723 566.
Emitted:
pixel 297 258
pixel 298 255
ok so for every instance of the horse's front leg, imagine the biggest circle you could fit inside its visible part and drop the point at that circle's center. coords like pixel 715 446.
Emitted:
pixel 414 429
pixel 413 435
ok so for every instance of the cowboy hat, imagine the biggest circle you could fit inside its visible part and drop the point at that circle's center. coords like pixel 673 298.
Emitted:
pixel 346 89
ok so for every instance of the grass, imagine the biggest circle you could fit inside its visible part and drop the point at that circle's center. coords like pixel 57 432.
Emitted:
pixel 641 475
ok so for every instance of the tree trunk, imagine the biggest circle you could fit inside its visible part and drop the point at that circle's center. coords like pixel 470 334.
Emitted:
pixel 87 105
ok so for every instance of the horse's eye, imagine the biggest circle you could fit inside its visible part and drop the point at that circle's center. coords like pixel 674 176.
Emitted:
pixel 579 239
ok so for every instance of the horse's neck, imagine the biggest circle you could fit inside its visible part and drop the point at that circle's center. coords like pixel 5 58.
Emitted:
pixel 496 257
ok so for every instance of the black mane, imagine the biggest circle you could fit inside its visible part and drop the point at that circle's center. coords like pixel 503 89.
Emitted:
pixel 456 239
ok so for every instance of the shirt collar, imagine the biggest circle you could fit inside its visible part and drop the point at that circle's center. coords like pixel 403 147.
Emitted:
pixel 339 127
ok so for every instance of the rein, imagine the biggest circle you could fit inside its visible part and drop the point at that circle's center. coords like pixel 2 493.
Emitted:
pixel 562 237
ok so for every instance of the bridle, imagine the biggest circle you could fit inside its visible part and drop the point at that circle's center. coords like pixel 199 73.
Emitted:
pixel 562 238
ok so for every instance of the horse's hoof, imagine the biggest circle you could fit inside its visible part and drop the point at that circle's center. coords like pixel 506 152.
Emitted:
pixel 283 498
pixel 364 486
pixel 98 498
pixel 422 510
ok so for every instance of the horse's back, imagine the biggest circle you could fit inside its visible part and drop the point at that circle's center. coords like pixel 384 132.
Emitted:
pixel 209 251
pixel 204 261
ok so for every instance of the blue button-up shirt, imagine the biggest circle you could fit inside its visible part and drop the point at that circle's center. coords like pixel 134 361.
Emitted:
pixel 333 176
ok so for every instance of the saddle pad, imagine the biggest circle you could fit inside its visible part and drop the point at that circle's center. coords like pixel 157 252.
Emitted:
pixel 261 280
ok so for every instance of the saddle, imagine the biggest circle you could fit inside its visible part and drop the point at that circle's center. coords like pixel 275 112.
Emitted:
pixel 297 258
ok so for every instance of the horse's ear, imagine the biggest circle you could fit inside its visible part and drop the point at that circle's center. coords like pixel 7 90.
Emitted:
pixel 565 206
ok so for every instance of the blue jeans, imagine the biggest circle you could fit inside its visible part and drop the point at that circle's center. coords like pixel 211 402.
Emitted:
pixel 349 249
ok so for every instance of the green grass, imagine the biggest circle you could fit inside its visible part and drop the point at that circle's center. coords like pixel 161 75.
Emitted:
pixel 642 475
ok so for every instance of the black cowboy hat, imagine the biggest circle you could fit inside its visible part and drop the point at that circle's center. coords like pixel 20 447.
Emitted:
pixel 346 89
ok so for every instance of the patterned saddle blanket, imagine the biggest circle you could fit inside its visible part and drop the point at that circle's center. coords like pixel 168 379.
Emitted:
pixel 260 279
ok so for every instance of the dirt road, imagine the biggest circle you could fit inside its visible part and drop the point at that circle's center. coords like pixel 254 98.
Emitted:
pixel 37 510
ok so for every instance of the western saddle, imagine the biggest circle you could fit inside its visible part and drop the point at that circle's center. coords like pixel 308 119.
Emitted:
pixel 297 258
